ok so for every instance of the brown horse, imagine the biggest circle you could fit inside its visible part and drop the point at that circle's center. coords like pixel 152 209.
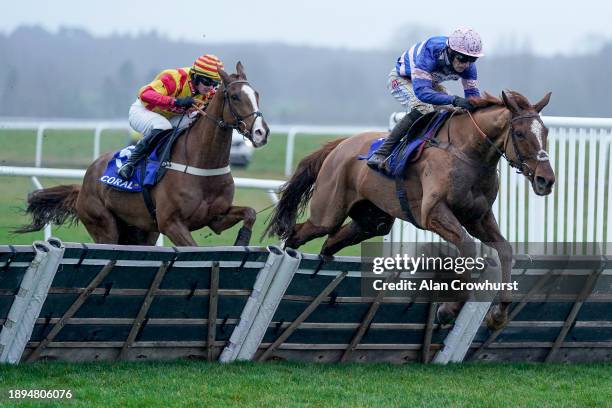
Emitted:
pixel 450 190
pixel 184 201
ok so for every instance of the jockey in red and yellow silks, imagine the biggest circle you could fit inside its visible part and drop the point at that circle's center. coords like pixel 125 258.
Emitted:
pixel 160 95
pixel 166 103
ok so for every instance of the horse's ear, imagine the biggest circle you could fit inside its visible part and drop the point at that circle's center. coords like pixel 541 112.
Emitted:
pixel 542 103
pixel 240 70
pixel 224 76
pixel 510 103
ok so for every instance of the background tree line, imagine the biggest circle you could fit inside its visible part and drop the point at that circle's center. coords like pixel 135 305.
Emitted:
pixel 72 74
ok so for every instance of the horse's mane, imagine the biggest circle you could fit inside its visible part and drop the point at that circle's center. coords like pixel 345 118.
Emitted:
pixel 489 100
pixel 485 101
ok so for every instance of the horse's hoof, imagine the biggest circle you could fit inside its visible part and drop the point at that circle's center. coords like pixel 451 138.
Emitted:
pixel 326 258
pixel 445 316
pixel 244 237
pixel 496 319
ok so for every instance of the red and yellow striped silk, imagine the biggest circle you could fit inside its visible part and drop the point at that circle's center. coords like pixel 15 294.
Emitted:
pixel 159 95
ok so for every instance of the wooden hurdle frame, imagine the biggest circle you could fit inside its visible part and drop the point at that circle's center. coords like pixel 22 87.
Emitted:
pixel 106 302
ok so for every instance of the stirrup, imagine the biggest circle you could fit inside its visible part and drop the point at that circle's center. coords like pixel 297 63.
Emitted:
pixel 127 168
pixel 384 167
pixel 378 163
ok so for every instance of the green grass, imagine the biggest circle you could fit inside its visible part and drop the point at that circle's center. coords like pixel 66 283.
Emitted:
pixel 61 148
pixel 147 384
pixel 73 149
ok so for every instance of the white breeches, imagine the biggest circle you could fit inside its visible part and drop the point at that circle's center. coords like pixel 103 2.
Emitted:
pixel 144 121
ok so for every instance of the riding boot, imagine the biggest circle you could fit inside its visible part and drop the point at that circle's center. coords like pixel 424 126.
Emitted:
pixel 142 149
pixel 399 131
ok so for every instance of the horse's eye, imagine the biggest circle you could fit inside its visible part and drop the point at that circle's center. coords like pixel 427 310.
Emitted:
pixel 235 98
pixel 519 134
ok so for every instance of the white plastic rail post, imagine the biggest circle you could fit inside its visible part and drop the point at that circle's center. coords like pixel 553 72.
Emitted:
pixel 29 300
pixel 38 185
pixel 260 288
pixel 458 341
pixel 97 137
pixel 40 132
pixel 283 277
pixel 289 151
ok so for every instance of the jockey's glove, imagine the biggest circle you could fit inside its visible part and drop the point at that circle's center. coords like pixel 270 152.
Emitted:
pixel 185 102
pixel 463 103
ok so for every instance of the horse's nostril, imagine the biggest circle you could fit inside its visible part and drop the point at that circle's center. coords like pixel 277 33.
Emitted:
pixel 259 132
pixel 543 182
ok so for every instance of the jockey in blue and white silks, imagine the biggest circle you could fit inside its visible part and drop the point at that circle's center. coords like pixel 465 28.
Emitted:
pixel 428 64
pixel 415 80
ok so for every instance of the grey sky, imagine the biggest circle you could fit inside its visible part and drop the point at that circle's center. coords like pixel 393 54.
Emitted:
pixel 548 26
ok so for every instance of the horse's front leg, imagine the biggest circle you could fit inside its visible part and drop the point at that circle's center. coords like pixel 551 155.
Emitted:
pixel 441 220
pixel 487 230
pixel 236 214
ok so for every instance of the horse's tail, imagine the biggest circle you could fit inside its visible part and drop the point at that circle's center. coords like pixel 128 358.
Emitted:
pixel 51 205
pixel 296 193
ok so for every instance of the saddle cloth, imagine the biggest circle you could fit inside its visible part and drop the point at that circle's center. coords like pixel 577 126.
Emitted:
pixel 424 129
pixel 147 173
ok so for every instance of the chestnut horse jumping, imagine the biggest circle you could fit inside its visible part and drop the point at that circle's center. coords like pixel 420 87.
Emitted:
pixel 450 190
pixel 184 201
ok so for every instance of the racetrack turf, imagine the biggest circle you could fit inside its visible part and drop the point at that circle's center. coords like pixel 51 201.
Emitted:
pixel 281 384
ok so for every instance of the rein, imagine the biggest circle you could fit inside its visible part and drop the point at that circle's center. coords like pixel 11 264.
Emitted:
pixel 450 147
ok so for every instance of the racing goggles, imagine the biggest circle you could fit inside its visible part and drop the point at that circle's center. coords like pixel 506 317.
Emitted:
pixel 206 81
pixel 465 58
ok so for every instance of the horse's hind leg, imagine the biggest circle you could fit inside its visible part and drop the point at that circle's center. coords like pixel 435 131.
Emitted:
pixel 368 221
pixel 305 232
pixel 350 234
pixel 98 220
pixel 130 235
pixel 327 213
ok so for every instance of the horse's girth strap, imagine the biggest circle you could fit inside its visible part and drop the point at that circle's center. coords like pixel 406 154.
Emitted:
pixel 400 192
pixel 196 171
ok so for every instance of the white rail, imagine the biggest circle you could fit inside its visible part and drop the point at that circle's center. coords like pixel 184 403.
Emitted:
pixel 293 130
pixel 574 213
pixel 551 121
pixel 271 186
pixel 41 127
pixel 100 126
pixel 268 185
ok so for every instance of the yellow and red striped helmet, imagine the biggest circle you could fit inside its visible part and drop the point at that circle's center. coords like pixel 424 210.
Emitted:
pixel 208 65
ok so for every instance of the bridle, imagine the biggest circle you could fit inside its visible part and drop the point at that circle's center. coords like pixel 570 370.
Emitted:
pixel 238 124
pixel 520 164
pixel 239 121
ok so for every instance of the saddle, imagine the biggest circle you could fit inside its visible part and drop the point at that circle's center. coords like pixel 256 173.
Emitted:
pixel 409 149
pixel 148 172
